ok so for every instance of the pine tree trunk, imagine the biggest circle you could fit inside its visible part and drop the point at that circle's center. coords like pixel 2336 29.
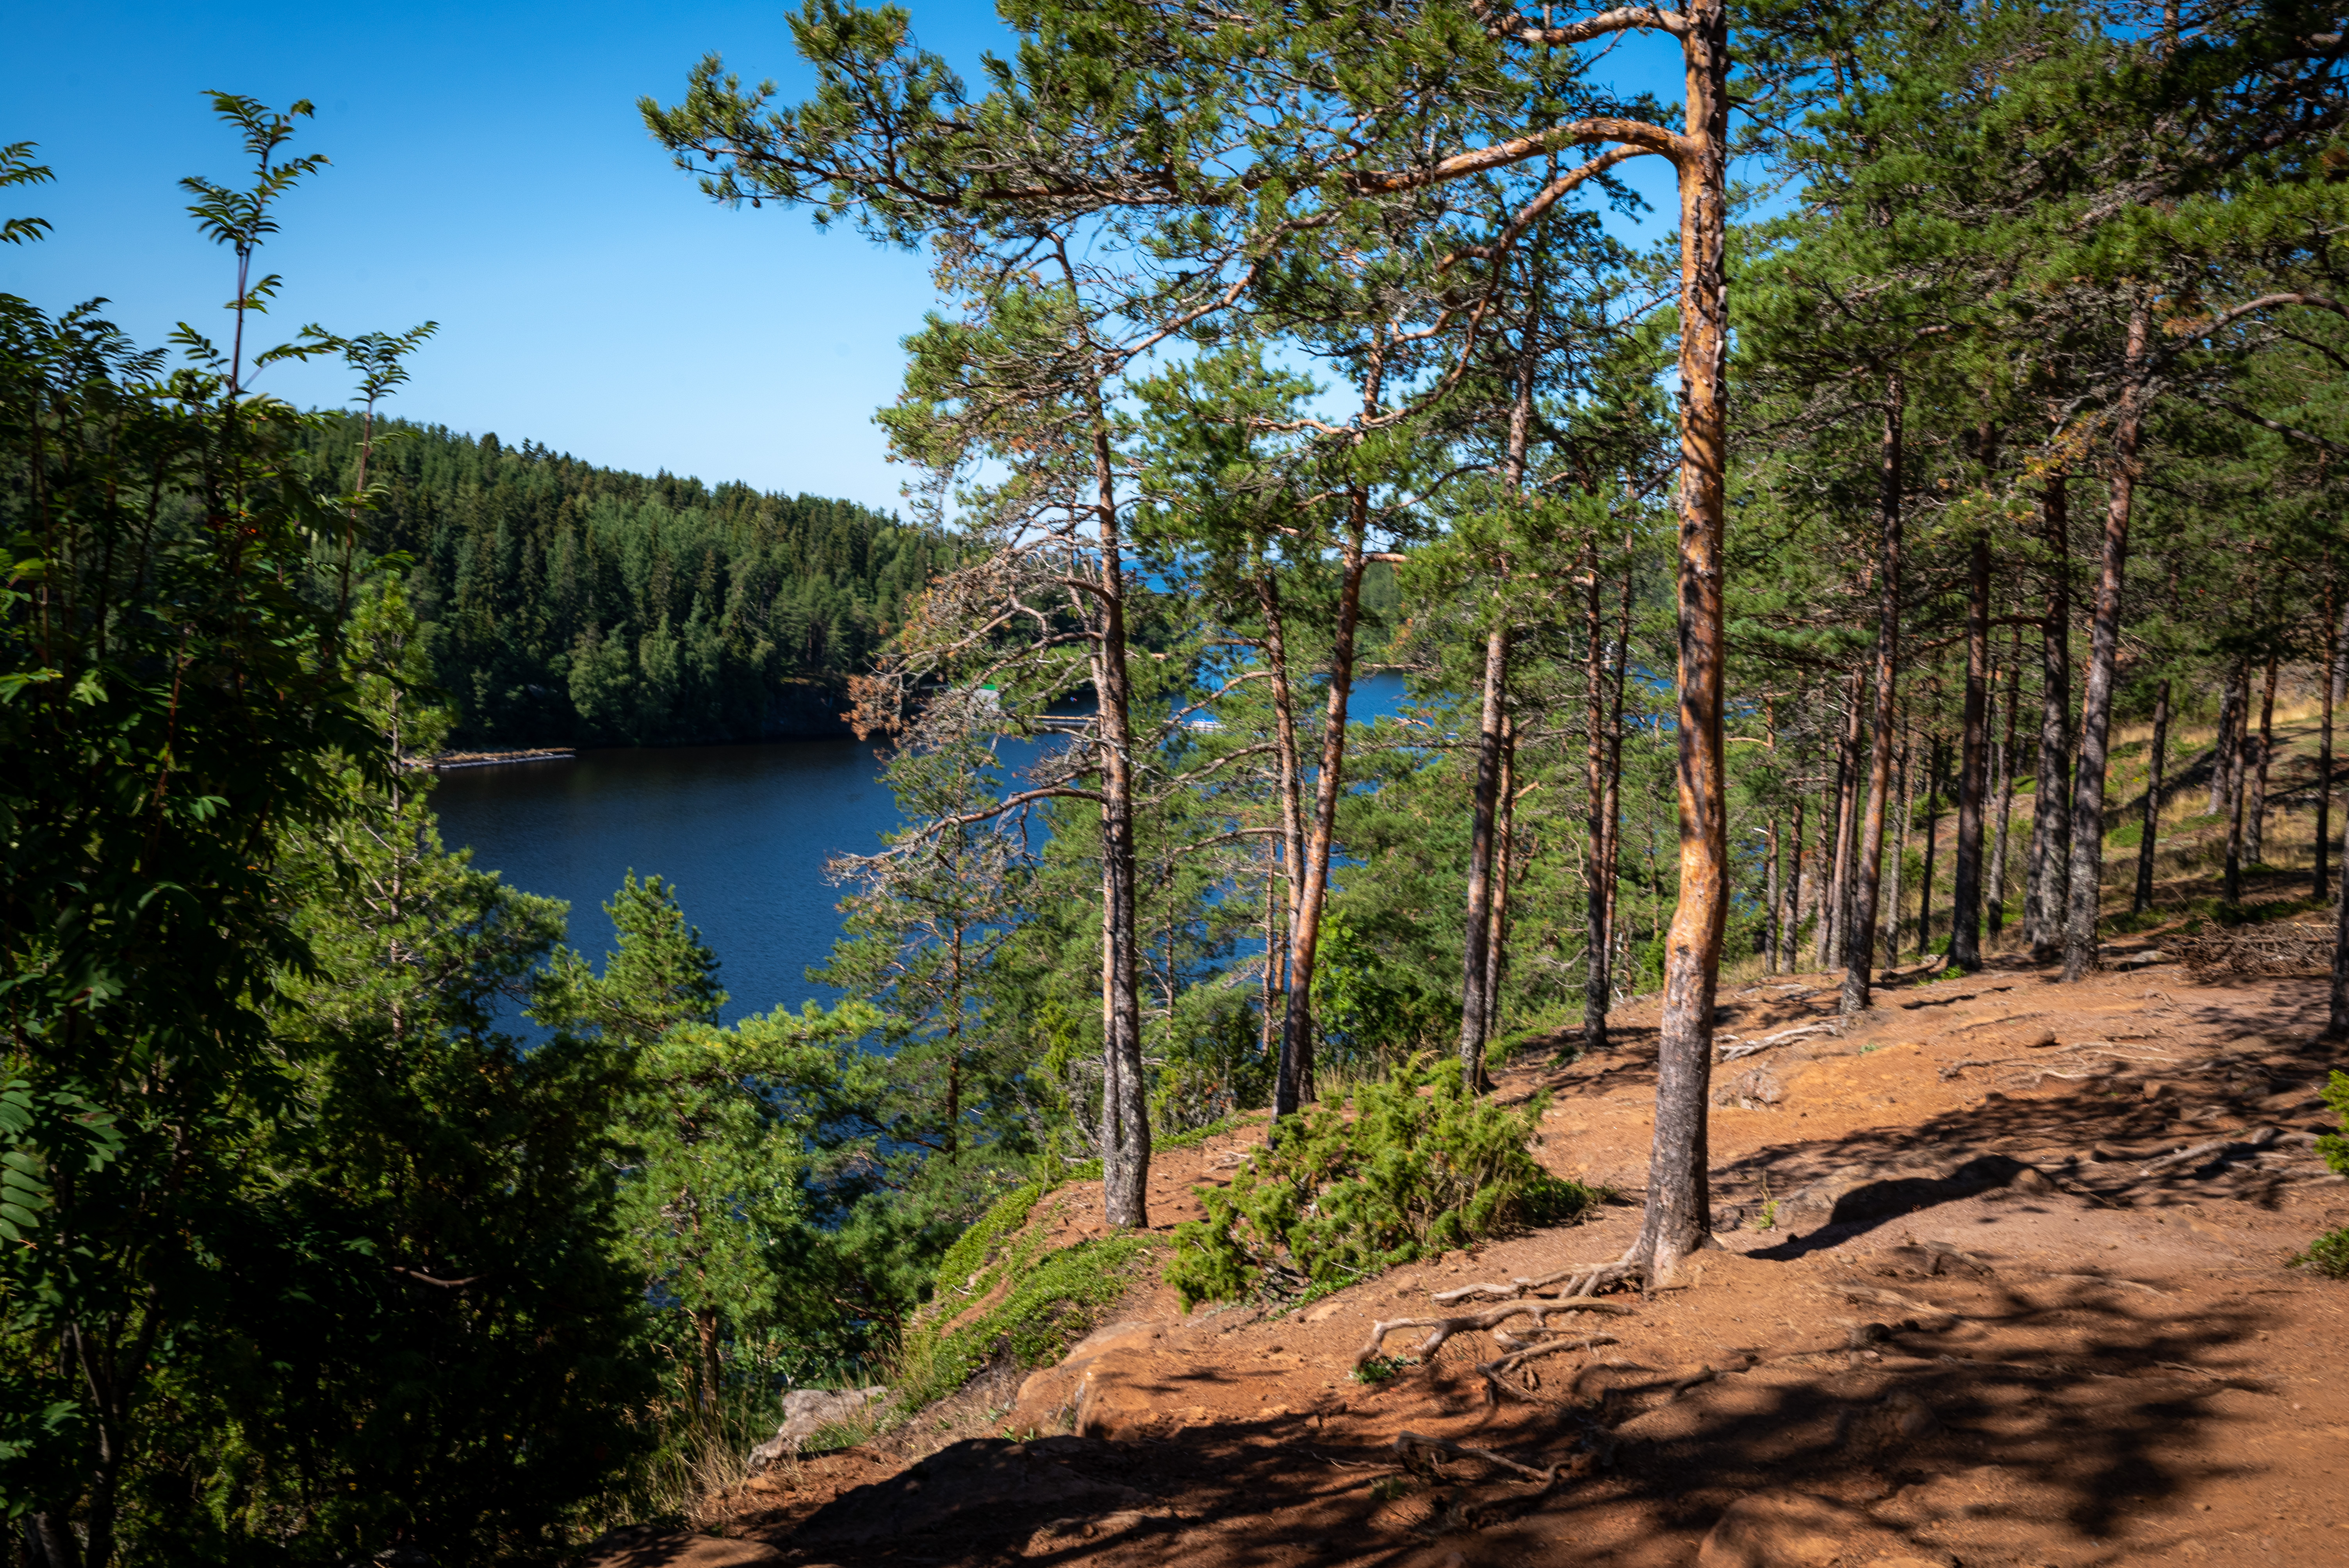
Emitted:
pixel 2255 815
pixel 1974 767
pixel 1770 906
pixel 1933 844
pixel 1296 1080
pixel 1484 807
pixel 1860 946
pixel 2143 898
pixel 1284 715
pixel 1832 912
pixel 1614 870
pixel 1496 946
pixel 2222 751
pixel 2104 662
pixel 1793 927
pixel 2324 744
pixel 2231 764
pixel 1892 874
pixel 1598 967
pixel 2051 841
pixel 1678 1216
pixel 1125 1100
pixel 1995 916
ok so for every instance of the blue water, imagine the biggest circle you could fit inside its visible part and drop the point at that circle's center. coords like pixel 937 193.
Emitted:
pixel 742 831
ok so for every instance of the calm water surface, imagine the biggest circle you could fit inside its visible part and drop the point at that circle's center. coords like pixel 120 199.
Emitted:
pixel 742 831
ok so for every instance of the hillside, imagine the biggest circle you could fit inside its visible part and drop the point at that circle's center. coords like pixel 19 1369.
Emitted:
pixel 2004 1281
pixel 572 604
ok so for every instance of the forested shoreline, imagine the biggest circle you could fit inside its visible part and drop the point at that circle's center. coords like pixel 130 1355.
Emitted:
pixel 572 604
pixel 1832 585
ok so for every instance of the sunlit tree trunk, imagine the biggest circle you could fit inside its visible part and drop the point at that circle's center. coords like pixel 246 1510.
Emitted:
pixel 1904 787
pixel 2142 899
pixel 1859 945
pixel 1995 916
pixel 2104 660
pixel 2255 815
pixel 1973 766
pixel 2330 681
pixel 1295 1083
pixel 1598 781
pixel 1832 911
pixel 2230 763
pixel 1678 1216
pixel 1792 929
pixel 1485 806
pixel 2051 840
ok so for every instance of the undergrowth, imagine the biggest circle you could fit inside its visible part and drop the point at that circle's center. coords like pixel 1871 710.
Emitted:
pixel 1330 1201
pixel 1054 1296
pixel 2329 1254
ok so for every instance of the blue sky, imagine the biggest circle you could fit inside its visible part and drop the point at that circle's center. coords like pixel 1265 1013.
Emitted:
pixel 489 172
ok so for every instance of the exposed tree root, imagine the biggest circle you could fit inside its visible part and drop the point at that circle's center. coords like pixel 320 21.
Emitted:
pixel 2218 1147
pixel 1410 1446
pixel 1492 1317
pixel 1923 1313
pixel 1496 1383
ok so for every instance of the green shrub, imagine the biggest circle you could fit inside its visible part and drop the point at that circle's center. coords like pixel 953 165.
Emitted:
pixel 1330 1201
pixel 2328 1255
pixel 2332 1146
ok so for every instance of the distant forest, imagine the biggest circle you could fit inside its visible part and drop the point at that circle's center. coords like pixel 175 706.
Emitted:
pixel 575 605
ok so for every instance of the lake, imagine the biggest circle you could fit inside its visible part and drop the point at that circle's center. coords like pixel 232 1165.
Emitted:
pixel 742 831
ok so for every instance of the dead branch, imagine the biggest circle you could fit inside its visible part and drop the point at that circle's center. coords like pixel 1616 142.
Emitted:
pixel 2218 1146
pixel 1408 1444
pixel 1924 1313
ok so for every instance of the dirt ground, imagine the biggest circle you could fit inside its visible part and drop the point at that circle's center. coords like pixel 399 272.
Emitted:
pixel 1966 1312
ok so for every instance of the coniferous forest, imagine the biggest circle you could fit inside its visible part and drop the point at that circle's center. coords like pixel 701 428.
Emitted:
pixel 577 605
pixel 1928 554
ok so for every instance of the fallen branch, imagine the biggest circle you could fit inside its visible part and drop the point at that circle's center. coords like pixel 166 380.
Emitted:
pixel 2201 1152
pixel 1445 1327
pixel 1492 1371
pixel 1408 1443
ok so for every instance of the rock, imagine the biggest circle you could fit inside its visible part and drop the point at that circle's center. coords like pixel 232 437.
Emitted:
pixel 1123 1392
pixel 806 1412
pixel 1781 1529
pixel 644 1545
pixel 1911 1416
pixel 2141 959
pixel 2040 1040
pixel 1324 1312
pixel 1111 1336
pixel 1753 1090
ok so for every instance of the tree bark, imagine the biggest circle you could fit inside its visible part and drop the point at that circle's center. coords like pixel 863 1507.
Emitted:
pixel 1892 875
pixel 1995 916
pixel 1678 1216
pixel 1793 926
pixel 2051 817
pixel 2104 662
pixel 1831 913
pixel 1597 967
pixel 1125 1100
pixel 2255 815
pixel 1486 803
pixel 2231 764
pixel 1614 869
pixel 1859 946
pixel 1770 905
pixel 2142 899
pixel 1296 1080
pixel 2223 749
pixel 1284 729
pixel 1933 844
pixel 2324 745
pixel 1974 767
pixel 1496 946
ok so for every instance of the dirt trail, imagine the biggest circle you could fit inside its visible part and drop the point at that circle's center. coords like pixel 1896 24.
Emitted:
pixel 1989 1322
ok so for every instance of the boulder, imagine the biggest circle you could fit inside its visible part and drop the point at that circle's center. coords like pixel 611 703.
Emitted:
pixel 806 1412
pixel 1755 1089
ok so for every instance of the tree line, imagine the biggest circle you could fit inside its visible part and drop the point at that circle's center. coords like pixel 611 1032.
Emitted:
pixel 572 604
